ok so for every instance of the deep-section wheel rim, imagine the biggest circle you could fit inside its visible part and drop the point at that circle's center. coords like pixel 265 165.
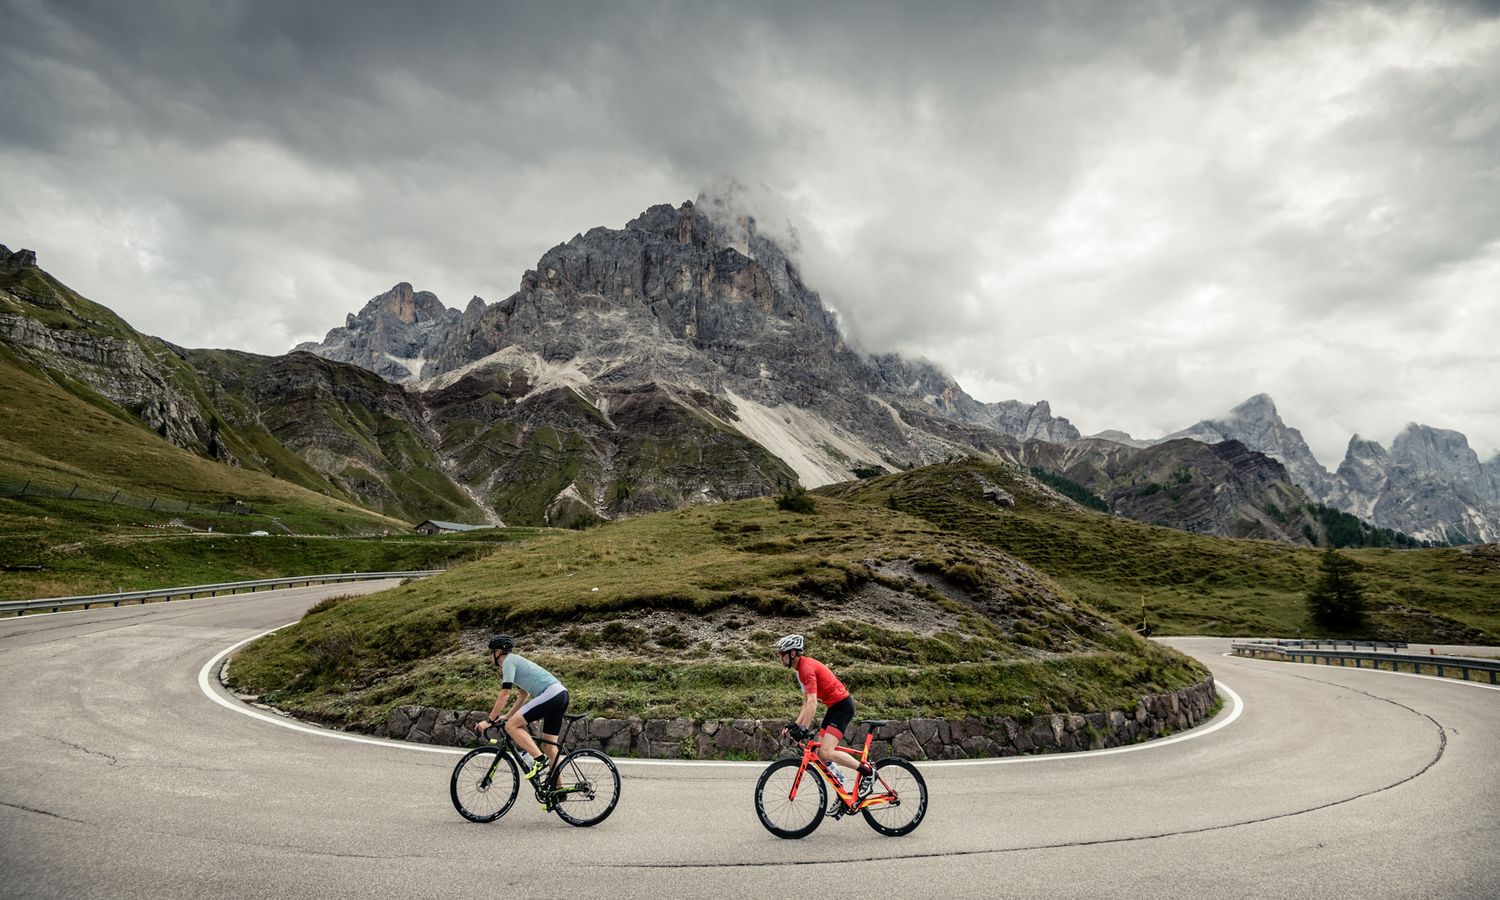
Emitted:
pixel 778 812
pixel 587 787
pixel 477 797
pixel 901 778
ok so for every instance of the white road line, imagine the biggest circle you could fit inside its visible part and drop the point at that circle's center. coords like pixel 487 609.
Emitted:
pixel 205 678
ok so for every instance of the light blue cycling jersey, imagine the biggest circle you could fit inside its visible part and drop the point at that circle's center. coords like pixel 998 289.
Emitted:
pixel 525 674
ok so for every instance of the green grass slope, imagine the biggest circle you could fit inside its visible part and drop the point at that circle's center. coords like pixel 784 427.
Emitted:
pixel 677 613
pixel 57 433
pixel 1191 584
pixel 359 430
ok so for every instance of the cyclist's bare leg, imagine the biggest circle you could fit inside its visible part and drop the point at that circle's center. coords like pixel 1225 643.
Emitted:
pixel 549 747
pixel 828 754
pixel 515 726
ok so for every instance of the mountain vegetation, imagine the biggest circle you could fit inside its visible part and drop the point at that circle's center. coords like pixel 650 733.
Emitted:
pixel 677 614
pixel 963 588
pixel 1191 583
pixel 1337 601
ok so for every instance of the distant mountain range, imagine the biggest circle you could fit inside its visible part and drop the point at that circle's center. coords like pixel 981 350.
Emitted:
pixel 682 360
pixel 1430 484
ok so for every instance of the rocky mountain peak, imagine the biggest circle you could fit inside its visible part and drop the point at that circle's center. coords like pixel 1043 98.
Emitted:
pixel 1259 408
pixel 1437 450
pixel 1430 485
pixel 406 305
pixel 1257 425
pixel 20 259
pixel 392 334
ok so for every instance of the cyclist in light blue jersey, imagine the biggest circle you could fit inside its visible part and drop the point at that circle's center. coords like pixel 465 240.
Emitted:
pixel 539 695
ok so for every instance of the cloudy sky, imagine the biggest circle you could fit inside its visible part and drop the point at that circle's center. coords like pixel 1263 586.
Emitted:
pixel 1143 213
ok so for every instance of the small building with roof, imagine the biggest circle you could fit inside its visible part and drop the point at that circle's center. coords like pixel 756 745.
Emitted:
pixel 433 526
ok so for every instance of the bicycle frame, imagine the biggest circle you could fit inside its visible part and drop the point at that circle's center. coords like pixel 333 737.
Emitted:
pixel 849 798
pixel 547 793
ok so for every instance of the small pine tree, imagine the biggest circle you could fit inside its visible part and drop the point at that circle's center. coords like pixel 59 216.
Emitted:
pixel 1337 602
pixel 795 498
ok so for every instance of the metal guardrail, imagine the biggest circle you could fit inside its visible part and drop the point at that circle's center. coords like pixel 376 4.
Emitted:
pixel 1335 644
pixel 53 604
pixel 1416 660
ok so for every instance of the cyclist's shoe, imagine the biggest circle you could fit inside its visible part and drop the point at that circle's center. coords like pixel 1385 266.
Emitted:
pixel 836 808
pixel 866 785
pixel 536 768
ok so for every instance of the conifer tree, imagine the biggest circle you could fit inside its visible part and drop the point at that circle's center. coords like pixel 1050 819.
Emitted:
pixel 1337 602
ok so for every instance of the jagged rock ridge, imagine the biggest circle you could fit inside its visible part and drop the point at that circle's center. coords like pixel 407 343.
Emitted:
pixel 682 331
pixel 1430 485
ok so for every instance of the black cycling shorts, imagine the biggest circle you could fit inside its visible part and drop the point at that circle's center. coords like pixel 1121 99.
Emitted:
pixel 549 709
pixel 838 717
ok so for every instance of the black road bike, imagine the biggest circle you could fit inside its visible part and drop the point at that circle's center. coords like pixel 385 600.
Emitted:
pixel 582 788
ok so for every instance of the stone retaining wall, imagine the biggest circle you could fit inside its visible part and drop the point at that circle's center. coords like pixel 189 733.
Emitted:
pixel 1153 716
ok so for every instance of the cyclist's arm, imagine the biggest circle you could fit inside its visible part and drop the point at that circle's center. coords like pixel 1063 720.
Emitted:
pixel 809 707
pixel 502 700
pixel 521 698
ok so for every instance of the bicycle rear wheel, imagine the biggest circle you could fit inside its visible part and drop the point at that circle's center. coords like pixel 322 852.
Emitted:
pixel 782 814
pixel 587 787
pixel 485 783
pixel 899 780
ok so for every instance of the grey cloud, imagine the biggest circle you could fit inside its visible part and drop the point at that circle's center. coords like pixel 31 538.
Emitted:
pixel 1032 195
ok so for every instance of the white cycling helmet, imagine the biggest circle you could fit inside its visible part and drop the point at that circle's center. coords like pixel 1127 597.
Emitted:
pixel 789 643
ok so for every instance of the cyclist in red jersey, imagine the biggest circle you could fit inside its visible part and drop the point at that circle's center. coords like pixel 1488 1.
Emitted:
pixel 819 683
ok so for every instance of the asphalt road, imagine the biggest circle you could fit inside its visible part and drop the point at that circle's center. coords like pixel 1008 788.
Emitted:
pixel 119 777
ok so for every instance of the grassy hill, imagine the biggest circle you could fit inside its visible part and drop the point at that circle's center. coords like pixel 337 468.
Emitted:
pixel 1191 584
pixel 55 432
pixel 677 613
pixel 361 430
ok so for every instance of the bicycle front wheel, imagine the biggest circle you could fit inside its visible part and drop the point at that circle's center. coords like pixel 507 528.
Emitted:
pixel 586 788
pixel 784 815
pixel 900 797
pixel 485 783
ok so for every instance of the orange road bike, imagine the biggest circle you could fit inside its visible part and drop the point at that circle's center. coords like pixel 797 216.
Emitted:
pixel 791 801
pixel 582 788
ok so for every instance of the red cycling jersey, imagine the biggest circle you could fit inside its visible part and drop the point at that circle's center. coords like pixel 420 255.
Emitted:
pixel 816 678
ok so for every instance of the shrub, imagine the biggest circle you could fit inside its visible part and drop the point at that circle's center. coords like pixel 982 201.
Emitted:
pixel 795 498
